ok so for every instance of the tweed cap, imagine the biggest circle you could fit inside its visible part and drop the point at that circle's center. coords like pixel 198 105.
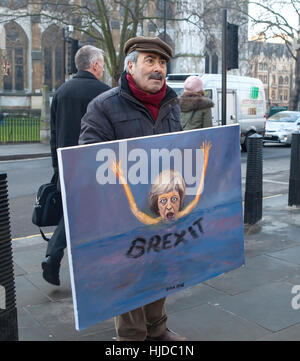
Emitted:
pixel 147 44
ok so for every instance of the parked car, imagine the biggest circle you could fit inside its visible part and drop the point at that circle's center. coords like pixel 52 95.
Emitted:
pixel 280 126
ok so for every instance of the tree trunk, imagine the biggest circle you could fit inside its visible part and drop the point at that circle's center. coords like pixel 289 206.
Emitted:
pixel 294 103
pixel 116 74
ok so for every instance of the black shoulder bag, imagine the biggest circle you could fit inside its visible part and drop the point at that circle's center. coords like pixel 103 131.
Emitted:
pixel 48 206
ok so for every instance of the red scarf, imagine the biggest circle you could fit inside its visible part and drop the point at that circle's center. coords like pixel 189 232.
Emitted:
pixel 151 101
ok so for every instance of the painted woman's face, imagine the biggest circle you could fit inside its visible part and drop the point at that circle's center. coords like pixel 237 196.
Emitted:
pixel 168 205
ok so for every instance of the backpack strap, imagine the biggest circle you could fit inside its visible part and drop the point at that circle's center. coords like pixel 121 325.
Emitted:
pixel 54 178
pixel 193 113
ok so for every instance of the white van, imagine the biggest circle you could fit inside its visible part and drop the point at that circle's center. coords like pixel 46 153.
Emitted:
pixel 246 102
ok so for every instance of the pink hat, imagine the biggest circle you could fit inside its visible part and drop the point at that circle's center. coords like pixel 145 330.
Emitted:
pixel 193 84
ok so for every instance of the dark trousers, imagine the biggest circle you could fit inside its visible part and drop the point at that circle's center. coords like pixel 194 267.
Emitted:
pixel 57 243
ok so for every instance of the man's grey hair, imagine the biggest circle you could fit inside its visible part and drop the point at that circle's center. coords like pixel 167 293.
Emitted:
pixel 86 56
pixel 130 57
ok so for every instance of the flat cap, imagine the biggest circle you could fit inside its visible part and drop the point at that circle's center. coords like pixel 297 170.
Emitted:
pixel 152 45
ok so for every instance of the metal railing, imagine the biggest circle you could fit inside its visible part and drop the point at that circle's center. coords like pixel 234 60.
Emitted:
pixel 19 129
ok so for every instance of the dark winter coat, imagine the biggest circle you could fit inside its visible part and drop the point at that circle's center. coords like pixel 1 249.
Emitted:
pixel 117 114
pixel 68 106
pixel 195 111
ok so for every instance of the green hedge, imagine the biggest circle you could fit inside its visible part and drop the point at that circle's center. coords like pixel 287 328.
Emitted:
pixel 19 129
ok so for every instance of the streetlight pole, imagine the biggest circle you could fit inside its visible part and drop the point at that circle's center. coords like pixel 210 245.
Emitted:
pixel 269 98
pixel 294 102
pixel 64 53
pixel 165 31
pixel 224 66
pixel 165 20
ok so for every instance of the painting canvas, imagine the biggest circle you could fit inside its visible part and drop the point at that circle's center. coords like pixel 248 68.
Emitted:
pixel 146 217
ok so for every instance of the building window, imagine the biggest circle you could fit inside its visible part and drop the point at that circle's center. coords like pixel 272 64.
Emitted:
pixel 286 80
pixel 273 95
pixel 53 43
pixel 214 63
pixel 280 81
pixel 285 95
pixel 16 47
pixel 207 63
pixel 263 78
pixel 211 63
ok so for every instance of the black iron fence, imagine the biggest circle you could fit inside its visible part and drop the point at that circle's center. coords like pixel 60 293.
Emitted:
pixel 19 129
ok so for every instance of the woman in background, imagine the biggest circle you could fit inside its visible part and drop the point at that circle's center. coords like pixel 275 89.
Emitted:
pixel 195 106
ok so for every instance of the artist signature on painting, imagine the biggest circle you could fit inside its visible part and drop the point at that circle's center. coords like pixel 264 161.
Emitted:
pixel 179 285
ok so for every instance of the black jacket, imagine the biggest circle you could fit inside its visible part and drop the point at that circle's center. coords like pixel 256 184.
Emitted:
pixel 117 114
pixel 68 106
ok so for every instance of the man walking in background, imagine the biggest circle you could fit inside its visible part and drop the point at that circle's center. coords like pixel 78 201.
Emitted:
pixel 68 106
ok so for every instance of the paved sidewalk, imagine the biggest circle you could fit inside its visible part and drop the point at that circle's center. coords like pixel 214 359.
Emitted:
pixel 253 302
pixel 24 151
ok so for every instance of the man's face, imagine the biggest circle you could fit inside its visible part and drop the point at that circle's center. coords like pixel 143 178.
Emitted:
pixel 168 205
pixel 149 72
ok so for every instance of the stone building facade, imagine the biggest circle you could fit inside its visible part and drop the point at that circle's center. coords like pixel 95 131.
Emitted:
pixel 36 48
pixel 272 63
pixel 35 55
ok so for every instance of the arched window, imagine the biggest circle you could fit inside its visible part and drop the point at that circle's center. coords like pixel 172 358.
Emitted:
pixel 214 63
pixel 286 80
pixel 273 95
pixel 211 63
pixel 280 81
pixel 53 45
pixel 16 47
pixel 207 63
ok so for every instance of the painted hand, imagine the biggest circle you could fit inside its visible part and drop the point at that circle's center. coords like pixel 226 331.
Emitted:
pixel 205 150
pixel 116 168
